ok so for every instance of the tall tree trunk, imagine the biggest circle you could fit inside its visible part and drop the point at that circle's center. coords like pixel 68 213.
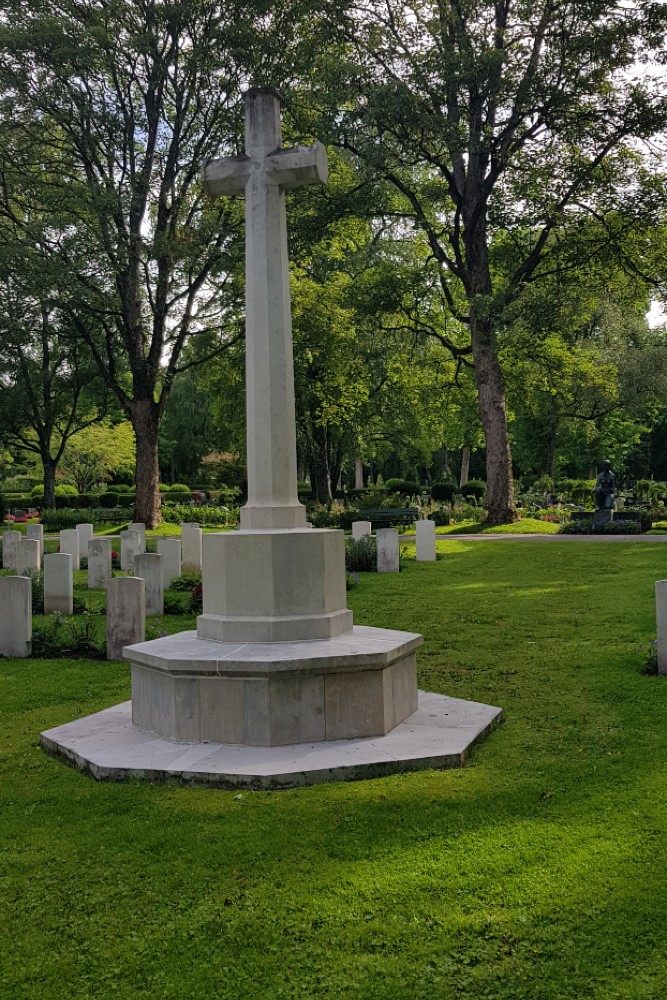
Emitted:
pixel 50 467
pixel 493 414
pixel 490 384
pixel 320 475
pixel 145 417
pixel 552 438
pixel 465 465
pixel 358 473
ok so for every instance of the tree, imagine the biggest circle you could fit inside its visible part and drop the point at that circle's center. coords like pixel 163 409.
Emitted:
pixel 94 455
pixel 108 112
pixel 50 386
pixel 488 117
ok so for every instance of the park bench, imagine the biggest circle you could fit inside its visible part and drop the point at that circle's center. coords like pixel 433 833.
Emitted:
pixel 112 515
pixel 386 516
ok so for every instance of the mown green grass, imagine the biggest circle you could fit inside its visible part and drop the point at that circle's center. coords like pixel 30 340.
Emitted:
pixel 537 871
pixel 526 526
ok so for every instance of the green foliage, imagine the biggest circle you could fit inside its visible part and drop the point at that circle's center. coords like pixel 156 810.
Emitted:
pixel 179 488
pixel 56 520
pixel 186 582
pixel 54 638
pixel 62 490
pixel 440 517
pixel 405 487
pixel 584 526
pixel 474 488
pixel 180 513
pixel 444 492
pixel 175 604
pixel 361 555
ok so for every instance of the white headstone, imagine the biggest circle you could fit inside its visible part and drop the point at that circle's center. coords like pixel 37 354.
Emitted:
pixel 425 532
pixel 10 545
pixel 28 557
pixel 360 529
pixel 661 622
pixel 387 550
pixel 69 543
pixel 58 585
pixel 130 546
pixel 99 562
pixel 85 533
pixel 15 615
pixel 190 547
pixel 148 567
pixel 141 528
pixel 170 550
pixel 36 531
pixel 262 175
pixel 126 615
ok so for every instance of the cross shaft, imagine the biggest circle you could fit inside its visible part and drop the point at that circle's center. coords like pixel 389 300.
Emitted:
pixel 262 174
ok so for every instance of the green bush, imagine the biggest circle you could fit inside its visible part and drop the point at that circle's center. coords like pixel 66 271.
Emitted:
pixel 56 520
pixel 322 516
pixel 441 517
pixel 121 488
pixel 185 582
pixel 403 486
pixel 173 496
pixel 443 492
pixel 474 488
pixel 361 555
pixel 108 499
pixel 179 513
pixel 62 490
pixel 178 488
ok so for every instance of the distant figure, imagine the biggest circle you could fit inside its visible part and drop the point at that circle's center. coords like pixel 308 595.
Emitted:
pixel 605 488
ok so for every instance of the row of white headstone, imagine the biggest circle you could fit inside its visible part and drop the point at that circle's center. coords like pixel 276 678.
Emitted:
pixel 125 617
pixel 180 555
pixel 387 543
pixel 129 599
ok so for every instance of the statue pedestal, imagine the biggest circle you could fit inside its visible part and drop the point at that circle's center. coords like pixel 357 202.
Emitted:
pixel 274 586
pixel 363 683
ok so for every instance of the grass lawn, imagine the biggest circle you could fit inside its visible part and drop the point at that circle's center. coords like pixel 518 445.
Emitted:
pixel 526 526
pixel 537 871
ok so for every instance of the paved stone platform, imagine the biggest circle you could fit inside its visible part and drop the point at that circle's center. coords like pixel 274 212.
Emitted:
pixel 109 747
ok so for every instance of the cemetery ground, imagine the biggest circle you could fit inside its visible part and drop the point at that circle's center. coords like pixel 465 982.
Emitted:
pixel 536 871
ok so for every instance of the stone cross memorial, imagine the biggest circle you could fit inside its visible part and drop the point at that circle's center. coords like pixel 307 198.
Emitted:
pixel 262 175
pixel 276 660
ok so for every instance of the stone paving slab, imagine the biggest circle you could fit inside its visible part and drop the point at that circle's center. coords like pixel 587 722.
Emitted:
pixel 109 747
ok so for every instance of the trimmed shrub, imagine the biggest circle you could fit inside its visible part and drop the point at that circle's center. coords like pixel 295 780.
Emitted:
pixel 403 486
pixel 177 488
pixel 56 520
pixel 178 513
pixel 474 488
pixel 62 490
pixel 443 492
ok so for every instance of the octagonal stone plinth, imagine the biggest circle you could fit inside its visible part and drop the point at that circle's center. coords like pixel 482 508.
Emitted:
pixel 364 683
pixel 274 586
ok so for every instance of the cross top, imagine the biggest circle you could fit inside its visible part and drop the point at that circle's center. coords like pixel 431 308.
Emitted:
pixel 261 174
pixel 264 155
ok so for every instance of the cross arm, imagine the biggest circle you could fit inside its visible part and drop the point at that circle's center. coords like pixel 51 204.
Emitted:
pixel 298 166
pixel 228 175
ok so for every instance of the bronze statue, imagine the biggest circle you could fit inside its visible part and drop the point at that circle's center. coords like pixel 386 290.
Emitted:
pixel 605 488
